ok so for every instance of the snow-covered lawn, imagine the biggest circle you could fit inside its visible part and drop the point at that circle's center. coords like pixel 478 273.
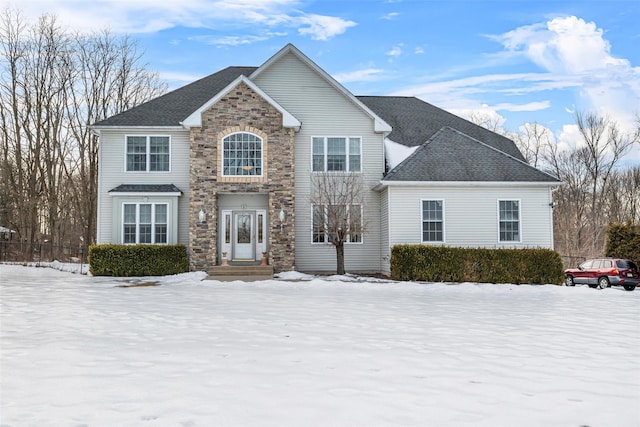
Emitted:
pixel 84 351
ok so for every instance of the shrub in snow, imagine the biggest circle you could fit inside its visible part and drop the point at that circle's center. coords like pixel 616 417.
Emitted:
pixel 137 260
pixel 449 264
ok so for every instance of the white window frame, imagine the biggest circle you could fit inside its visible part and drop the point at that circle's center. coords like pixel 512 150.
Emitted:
pixel 422 221
pixel 222 156
pixel 147 153
pixel 153 222
pixel 347 153
pixel 519 220
pixel 326 237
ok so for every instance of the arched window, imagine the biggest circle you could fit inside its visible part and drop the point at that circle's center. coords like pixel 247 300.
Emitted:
pixel 242 155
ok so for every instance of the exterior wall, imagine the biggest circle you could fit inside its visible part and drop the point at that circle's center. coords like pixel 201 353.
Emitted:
pixel 385 231
pixel 112 174
pixel 471 215
pixel 324 111
pixel 241 110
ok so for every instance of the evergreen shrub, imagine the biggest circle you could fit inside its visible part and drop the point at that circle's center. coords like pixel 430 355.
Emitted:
pixel 137 260
pixel 452 264
pixel 623 241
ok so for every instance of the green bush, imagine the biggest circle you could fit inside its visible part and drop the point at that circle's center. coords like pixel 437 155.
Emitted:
pixel 449 264
pixel 623 241
pixel 137 260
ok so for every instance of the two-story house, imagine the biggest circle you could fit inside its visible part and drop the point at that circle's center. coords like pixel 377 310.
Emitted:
pixel 224 165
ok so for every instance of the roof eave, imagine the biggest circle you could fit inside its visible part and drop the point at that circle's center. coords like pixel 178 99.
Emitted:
pixel 384 183
pixel 146 193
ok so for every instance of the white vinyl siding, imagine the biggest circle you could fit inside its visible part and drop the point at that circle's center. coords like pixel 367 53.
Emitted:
pixel 113 157
pixel 385 230
pixel 324 111
pixel 471 215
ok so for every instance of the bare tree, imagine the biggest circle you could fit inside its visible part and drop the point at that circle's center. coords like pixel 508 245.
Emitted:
pixel 338 205
pixel 109 78
pixel 586 204
pixel 532 140
pixel 53 85
pixel 483 118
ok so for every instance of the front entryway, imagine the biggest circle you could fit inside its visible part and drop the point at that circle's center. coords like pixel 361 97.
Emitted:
pixel 242 227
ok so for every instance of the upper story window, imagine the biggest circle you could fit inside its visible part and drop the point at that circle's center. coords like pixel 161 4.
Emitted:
pixel 242 155
pixel 336 154
pixel 147 154
pixel 509 219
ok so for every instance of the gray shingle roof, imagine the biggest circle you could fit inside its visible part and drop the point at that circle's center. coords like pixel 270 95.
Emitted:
pixel 415 121
pixel 146 188
pixel 173 107
pixel 450 155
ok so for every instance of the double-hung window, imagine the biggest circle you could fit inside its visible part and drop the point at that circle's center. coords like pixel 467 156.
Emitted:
pixel 242 155
pixel 147 154
pixel 509 220
pixel 329 221
pixel 336 154
pixel 144 223
pixel 432 221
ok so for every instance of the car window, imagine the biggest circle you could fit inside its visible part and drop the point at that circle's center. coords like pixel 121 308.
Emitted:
pixel 606 263
pixel 626 264
pixel 596 263
pixel 585 265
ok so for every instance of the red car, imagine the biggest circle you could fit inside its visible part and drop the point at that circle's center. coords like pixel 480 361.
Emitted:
pixel 604 272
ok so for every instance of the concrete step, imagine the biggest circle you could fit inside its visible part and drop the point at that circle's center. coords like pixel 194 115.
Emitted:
pixel 240 272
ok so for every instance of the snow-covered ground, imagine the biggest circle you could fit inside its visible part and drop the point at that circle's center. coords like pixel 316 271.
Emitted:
pixel 89 351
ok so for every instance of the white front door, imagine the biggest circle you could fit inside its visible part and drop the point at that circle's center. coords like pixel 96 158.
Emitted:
pixel 243 236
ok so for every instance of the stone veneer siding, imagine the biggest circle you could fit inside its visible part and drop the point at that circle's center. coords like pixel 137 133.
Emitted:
pixel 241 109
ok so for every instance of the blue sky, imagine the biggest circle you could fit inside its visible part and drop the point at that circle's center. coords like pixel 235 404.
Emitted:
pixel 515 61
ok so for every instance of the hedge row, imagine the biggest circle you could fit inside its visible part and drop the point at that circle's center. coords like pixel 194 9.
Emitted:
pixel 623 241
pixel 137 260
pixel 449 264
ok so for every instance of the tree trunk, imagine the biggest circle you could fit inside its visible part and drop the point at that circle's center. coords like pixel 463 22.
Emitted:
pixel 340 258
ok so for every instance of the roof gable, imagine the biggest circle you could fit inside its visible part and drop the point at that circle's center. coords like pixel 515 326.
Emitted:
pixel 380 125
pixel 450 156
pixel 195 118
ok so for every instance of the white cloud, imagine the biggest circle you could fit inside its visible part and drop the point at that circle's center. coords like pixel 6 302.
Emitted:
pixel 569 138
pixel 390 16
pixel 395 52
pixel 365 75
pixel 419 50
pixel 464 93
pixel 321 27
pixel 148 16
pixel 577 50
pixel 529 106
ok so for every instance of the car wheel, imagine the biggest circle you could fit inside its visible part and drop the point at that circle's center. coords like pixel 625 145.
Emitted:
pixel 629 287
pixel 568 281
pixel 603 283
